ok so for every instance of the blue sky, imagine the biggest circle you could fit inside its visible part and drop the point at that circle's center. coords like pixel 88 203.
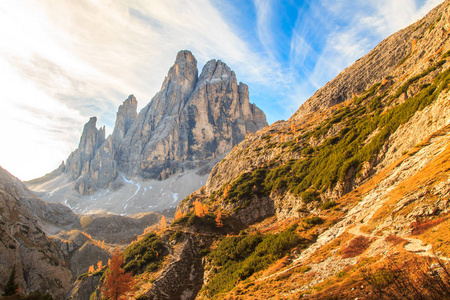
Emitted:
pixel 62 62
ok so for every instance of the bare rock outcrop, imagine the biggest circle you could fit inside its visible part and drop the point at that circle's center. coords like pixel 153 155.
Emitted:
pixel 183 277
pixel 38 262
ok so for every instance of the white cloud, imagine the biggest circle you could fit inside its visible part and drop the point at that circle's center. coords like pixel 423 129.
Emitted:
pixel 82 58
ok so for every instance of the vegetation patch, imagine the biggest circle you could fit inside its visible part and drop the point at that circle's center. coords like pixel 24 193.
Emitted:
pixel 356 247
pixel 341 157
pixel 413 279
pixel 237 258
pixel 394 239
pixel 420 226
pixel 147 253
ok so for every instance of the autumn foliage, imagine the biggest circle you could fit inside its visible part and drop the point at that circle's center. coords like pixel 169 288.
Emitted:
pixel 117 283
pixel 99 265
pixel 91 269
pixel 219 222
pixel 179 214
pixel 162 223
pixel 200 209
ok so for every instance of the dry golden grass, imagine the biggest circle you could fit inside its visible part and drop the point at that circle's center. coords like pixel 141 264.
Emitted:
pixel 439 238
pixel 434 172
pixel 395 240
pixel 356 247
pixel 421 226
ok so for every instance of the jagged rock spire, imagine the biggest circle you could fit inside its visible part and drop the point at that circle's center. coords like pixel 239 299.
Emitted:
pixel 189 123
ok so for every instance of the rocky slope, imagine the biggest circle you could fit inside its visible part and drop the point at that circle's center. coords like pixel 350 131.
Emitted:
pixel 174 141
pixel 38 262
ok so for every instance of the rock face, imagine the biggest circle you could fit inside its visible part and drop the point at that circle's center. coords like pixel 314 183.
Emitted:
pixel 190 124
pixel 182 278
pixel 38 262
pixel 367 157
pixel 190 121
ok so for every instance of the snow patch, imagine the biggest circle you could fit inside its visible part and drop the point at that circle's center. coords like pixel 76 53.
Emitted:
pixel 126 180
pixel 175 197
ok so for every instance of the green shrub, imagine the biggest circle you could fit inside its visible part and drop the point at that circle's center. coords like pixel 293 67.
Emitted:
pixel 176 235
pixel 239 257
pixel 314 220
pixel 328 204
pixel 149 251
pixel 310 196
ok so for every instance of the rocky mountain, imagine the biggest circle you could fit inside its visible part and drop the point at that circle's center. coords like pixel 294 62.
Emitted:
pixel 347 199
pixel 38 262
pixel 163 153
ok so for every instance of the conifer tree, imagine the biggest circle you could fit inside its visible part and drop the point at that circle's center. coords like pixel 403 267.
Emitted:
pixel 117 283
pixel 219 222
pixel 11 288
pixel 199 209
pixel 99 265
pixel 163 223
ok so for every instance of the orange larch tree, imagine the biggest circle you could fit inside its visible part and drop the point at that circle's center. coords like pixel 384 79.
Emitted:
pixel 162 223
pixel 117 283
pixel 219 222
pixel 178 214
pixel 198 208
pixel 91 269
pixel 99 265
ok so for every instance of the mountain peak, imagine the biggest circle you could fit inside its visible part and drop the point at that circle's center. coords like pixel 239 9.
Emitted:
pixel 125 117
pixel 91 138
pixel 215 71
pixel 185 56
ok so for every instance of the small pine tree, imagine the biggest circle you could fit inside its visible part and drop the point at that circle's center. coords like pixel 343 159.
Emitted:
pixel 117 283
pixel 99 265
pixel 91 269
pixel 219 222
pixel 163 223
pixel 198 208
pixel 226 190
pixel 178 214
pixel 292 127
pixel 11 288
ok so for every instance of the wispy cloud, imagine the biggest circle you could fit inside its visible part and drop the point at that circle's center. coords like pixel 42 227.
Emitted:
pixel 82 58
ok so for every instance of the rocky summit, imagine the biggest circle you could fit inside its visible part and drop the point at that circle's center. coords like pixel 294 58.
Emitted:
pixel 163 153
